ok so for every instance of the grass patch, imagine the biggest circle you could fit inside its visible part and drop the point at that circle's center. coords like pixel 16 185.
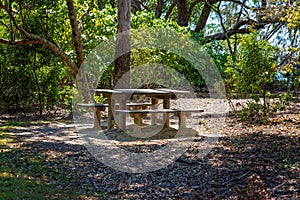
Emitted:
pixel 8 124
pixel 5 138
pixel 27 173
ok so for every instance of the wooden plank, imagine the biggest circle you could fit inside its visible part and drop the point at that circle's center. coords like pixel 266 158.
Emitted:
pixel 174 91
pixel 140 91
pixel 160 111
pixel 111 107
pixel 147 111
pixel 182 121
pixel 139 104
pixel 180 113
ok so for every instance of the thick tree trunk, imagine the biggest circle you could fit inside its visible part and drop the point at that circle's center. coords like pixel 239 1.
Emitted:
pixel 122 55
pixel 183 13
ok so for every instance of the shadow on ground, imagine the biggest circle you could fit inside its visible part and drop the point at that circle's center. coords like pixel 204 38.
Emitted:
pixel 246 165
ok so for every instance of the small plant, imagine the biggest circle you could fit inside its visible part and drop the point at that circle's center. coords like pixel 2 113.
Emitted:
pixel 99 99
pixel 251 72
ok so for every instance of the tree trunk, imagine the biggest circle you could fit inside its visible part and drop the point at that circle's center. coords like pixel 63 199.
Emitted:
pixel 122 55
pixel 159 8
pixel 82 83
pixel 76 33
pixel 183 13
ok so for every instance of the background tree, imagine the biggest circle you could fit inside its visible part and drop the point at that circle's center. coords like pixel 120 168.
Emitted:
pixel 122 56
pixel 72 28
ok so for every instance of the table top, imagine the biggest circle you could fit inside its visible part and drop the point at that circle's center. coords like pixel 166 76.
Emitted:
pixel 141 91
pixel 174 91
pixel 106 91
pixel 161 93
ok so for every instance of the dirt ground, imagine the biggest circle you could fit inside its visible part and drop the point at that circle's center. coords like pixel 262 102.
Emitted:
pixel 249 161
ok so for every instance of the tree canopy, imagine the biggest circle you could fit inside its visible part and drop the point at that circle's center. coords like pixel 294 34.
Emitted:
pixel 70 29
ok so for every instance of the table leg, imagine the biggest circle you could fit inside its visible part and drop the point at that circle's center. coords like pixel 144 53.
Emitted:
pixel 122 116
pixel 97 118
pixel 166 105
pixel 154 102
pixel 111 107
pixel 182 120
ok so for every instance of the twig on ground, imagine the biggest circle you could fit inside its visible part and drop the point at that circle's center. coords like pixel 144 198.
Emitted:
pixel 230 180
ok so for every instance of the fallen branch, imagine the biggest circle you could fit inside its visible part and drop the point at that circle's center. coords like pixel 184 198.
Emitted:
pixel 190 162
pixel 230 180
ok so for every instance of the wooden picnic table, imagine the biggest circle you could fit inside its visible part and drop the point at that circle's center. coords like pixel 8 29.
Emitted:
pixel 121 96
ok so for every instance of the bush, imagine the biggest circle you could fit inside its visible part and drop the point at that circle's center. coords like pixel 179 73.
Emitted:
pixel 251 73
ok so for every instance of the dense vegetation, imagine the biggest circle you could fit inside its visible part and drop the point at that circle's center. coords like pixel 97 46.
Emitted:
pixel 43 44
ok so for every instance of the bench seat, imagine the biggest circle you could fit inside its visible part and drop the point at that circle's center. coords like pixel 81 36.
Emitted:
pixel 101 107
pixel 98 105
pixel 180 113
pixel 160 111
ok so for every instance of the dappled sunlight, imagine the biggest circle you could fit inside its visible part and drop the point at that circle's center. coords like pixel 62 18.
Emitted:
pixel 245 155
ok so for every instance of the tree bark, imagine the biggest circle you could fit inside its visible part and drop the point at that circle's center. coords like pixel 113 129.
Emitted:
pixel 76 33
pixel 232 31
pixel 159 8
pixel 183 13
pixel 81 79
pixel 122 55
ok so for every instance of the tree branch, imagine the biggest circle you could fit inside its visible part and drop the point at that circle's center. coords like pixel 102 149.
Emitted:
pixel 20 42
pixel 183 14
pixel 232 31
pixel 238 19
pixel 56 49
pixel 204 15
pixel 170 9
pixel 224 29
pixel 85 14
pixel 142 4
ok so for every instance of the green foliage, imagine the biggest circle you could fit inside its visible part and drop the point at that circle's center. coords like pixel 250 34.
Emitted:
pixel 219 55
pixel 171 62
pixel 145 19
pixel 29 79
pixel 66 93
pixel 292 16
pixel 99 98
pixel 251 72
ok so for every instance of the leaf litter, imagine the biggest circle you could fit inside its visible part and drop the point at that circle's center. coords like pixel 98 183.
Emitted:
pixel 251 161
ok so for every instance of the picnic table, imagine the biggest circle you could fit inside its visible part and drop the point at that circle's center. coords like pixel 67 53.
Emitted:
pixel 119 102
